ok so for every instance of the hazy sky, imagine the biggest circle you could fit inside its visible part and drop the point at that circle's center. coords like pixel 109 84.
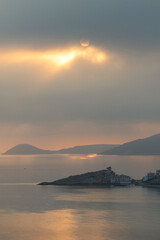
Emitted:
pixel 56 93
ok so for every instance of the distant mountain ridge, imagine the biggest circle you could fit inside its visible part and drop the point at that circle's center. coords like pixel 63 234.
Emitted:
pixel 145 146
pixel 88 149
pixel 27 149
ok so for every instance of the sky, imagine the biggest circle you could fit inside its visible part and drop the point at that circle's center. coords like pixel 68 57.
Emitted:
pixel 78 72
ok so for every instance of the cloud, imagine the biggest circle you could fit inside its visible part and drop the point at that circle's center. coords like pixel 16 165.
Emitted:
pixel 52 87
pixel 109 23
pixel 106 93
pixel 56 58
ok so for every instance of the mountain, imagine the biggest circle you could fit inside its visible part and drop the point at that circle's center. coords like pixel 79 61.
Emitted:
pixel 145 146
pixel 26 149
pixel 87 149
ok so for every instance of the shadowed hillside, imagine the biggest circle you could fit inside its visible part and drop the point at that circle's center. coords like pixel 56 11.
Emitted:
pixel 146 146
pixel 87 149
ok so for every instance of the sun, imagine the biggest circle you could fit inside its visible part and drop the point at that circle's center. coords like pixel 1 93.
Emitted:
pixel 84 43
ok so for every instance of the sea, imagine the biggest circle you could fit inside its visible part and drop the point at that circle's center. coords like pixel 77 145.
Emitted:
pixel 32 212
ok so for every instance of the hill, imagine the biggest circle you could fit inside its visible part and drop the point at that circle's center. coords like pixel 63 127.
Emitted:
pixel 87 149
pixel 26 149
pixel 145 146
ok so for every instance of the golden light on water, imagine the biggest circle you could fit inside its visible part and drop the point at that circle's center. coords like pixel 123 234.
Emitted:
pixel 92 155
pixel 63 224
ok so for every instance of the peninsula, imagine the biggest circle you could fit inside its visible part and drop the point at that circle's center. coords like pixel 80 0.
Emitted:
pixel 106 177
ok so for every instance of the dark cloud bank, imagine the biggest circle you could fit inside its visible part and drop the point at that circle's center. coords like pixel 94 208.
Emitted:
pixel 115 24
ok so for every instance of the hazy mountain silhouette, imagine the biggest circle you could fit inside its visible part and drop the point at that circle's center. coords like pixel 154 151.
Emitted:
pixel 87 149
pixel 146 146
pixel 27 149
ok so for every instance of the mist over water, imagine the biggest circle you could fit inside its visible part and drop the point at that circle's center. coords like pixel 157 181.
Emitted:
pixel 37 168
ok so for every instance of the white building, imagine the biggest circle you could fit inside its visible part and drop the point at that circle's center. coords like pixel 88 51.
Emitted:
pixel 158 173
pixel 120 180
pixel 151 176
pixel 112 178
pixel 124 180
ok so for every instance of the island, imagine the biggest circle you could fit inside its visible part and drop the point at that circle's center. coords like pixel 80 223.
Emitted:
pixel 106 177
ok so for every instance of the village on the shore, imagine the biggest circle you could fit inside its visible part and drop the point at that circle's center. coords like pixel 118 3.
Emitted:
pixel 151 179
pixel 108 177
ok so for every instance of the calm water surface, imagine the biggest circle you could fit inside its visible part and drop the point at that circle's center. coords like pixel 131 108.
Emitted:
pixel 32 212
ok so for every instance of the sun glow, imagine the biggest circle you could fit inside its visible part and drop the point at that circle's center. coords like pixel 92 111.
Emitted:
pixel 61 58
pixel 58 58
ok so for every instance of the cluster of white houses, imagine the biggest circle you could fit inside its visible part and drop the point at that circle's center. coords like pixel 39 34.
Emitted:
pixel 154 177
pixel 116 179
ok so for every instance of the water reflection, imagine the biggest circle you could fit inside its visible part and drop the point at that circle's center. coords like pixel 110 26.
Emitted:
pixel 77 225
pixel 57 225
pixel 32 212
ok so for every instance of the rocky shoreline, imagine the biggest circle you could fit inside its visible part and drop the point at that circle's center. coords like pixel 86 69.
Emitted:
pixel 105 177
